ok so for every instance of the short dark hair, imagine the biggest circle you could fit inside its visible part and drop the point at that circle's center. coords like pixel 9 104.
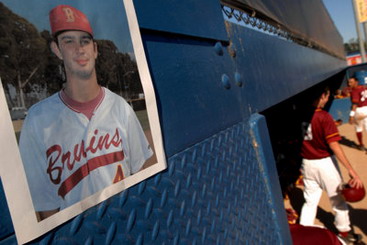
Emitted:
pixel 55 35
pixel 317 92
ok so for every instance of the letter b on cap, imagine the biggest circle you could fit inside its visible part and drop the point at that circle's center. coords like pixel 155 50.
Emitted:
pixel 69 14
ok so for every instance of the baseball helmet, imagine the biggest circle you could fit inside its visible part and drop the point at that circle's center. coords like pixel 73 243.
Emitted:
pixel 352 194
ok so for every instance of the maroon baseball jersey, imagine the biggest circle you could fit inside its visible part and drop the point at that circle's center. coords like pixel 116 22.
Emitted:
pixel 359 96
pixel 318 134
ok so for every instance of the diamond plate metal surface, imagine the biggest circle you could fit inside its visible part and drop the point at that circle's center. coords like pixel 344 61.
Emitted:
pixel 212 193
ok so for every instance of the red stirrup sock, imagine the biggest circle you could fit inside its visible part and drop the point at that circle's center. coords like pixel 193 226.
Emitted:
pixel 359 137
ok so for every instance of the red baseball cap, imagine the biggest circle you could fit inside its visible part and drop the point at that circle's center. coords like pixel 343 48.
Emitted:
pixel 65 17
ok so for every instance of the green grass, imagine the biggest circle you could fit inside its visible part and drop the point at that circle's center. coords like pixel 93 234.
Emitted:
pixel 143 119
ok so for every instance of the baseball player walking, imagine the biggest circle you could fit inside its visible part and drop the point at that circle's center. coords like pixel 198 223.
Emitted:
pixel 84 138
pixel 320 169
pixel 358 113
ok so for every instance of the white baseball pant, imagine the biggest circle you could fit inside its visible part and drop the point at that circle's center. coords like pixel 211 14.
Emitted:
pixel 318 175
pixel 361 119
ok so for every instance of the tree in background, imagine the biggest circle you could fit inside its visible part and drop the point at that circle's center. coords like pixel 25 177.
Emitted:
pixel 23 52
pixel 352 46
pixel 27 63
pixel 117 71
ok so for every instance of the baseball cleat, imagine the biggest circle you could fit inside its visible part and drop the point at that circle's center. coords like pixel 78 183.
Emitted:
pixel 351 238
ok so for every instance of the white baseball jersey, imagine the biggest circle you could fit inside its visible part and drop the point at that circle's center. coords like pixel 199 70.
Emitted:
pixel 68 157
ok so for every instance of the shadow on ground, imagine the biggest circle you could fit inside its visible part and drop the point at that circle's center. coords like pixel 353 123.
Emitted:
pixel 358 218
pixel 348 142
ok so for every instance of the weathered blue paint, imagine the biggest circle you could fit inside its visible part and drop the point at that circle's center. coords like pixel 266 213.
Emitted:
pixel 266 163
pixel 188 76
pixel 274 69
pixel 203 19
pixel 210 77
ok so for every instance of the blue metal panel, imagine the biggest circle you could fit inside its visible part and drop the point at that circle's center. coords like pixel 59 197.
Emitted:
pixel 266 160
pixel 216 192
pixel 309 20
pixel 218 188
pixel 9 240
pixel 274 69
pixel 191 17
pixel 190 79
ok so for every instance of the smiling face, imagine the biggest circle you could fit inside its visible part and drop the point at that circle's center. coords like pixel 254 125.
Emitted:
pixel 78 52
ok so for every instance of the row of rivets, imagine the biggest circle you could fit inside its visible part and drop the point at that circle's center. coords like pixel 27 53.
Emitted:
pixel 225 78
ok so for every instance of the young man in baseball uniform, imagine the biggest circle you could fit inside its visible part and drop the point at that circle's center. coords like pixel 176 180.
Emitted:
pixel 320 170
pixel 84 138
pixel 358 113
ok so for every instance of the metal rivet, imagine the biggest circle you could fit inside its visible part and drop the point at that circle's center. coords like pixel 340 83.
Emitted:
pixel 177 188
pixel 110 233
pixel 182 209
pixel 203 236
pixel 131 221
pixel 225 81
pixel 163 198
pixel 89 241
pixel 238 79
pixel 232 52
pixel 193 200
pixel 198 175
pixel 218 48
pixel 140 240
pixel 203 191
pixel 170 218
pixel 208 208
pixel 171 169
pixel 188 227
pixel 123 198
pixel 101 210
pixel 148 209
pixel 176 240
pixel 198 218
pixel 155 231
pixel 212 227
pixel 75 224
pixel 141 187
pixel 157 179
pixel 188 181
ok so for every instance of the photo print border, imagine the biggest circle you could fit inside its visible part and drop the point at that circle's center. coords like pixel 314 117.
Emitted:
pixel 13 176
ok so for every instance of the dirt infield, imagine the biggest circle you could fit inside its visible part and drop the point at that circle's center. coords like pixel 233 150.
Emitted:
pixel 358 211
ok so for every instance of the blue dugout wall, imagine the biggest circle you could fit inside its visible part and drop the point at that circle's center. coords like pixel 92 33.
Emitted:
pixel 211 78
